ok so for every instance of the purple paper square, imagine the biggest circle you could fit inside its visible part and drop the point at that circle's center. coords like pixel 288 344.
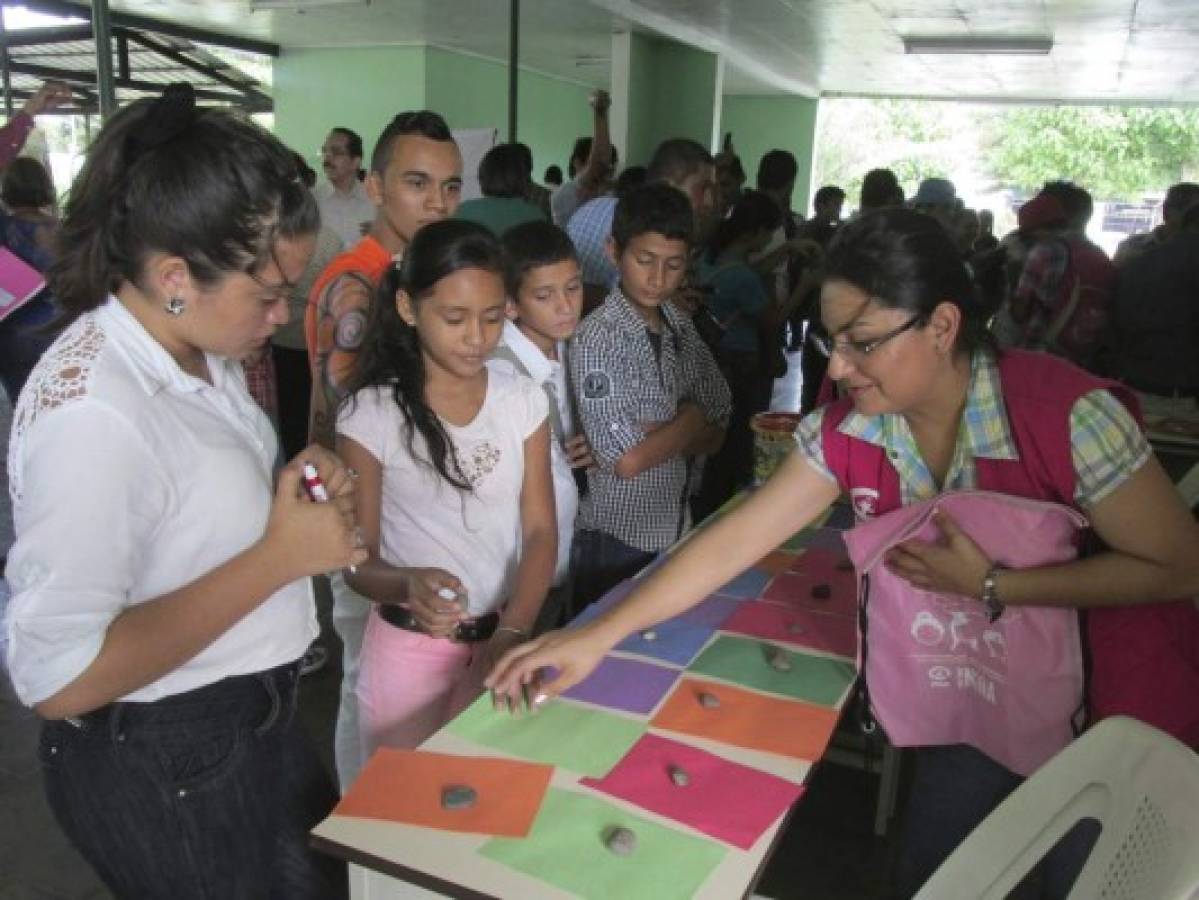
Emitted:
pixel 626 684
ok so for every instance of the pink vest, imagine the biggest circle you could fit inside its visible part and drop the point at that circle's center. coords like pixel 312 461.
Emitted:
pixel 1144 658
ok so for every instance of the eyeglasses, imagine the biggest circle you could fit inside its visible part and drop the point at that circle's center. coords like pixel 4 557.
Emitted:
pixel 854 351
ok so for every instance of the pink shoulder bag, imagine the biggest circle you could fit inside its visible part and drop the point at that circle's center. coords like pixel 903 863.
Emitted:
pixel 937 670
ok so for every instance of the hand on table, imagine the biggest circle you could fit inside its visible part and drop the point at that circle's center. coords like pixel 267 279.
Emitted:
pixel 574 653
pixel 954 565
pixel 496 648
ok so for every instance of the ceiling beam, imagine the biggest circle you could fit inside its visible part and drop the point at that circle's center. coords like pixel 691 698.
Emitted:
pixel 149 42
pixel 78 76
pixel 69 8
pixel 29 37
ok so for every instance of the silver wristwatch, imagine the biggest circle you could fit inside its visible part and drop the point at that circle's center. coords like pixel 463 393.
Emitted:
pixel 990 594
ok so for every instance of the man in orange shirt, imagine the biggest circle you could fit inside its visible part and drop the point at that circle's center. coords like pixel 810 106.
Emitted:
pixel 415 179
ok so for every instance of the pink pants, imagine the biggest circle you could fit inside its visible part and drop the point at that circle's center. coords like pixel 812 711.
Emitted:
pixel 411 684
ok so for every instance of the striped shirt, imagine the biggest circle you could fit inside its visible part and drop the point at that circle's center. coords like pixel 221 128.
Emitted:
pixel 1106 445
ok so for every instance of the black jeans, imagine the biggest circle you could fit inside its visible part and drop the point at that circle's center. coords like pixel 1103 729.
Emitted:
pixel 206 795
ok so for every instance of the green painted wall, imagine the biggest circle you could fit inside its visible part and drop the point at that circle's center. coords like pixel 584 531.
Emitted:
pixel 672 93
pixel 472 92
pixel 360 88
pixel 762 123
pixel 641 138
pixel 684 92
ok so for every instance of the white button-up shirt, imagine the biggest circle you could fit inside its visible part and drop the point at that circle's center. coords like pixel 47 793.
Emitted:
pixel 550 374
pixel 130 479
pixel 345 211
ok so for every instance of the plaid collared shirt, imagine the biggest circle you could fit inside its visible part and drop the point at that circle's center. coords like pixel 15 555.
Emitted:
pixel 621 384
pixel 1106 445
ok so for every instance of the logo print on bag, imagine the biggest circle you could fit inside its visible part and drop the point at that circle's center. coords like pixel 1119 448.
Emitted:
pixel 865 502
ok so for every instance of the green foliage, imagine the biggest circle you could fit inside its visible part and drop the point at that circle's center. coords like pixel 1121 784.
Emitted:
pixel 1117 153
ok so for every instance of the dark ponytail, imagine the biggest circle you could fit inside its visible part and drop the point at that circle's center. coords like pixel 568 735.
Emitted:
pixel 391 354
pixel 904 259
pixel 206 185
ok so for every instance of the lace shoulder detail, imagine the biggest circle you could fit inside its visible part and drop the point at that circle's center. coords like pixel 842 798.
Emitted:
pixel 60 377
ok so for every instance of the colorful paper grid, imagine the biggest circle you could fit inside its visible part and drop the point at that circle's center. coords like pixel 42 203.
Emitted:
pixel 816 679
pixel 775 562
pixel 822 538
pixel 728 801
pixel 748 585
pixel 406 785
pixel 566 848
pixel 747 719
pixel 798 587
pixel 628 684
pixel 587 741
pixel 673 642
pixel 795 625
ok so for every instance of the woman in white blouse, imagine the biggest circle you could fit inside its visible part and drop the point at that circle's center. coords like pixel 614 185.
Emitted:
pixel 160 593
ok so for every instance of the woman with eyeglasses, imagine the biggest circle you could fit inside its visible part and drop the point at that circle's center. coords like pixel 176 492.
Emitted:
pixel 929 405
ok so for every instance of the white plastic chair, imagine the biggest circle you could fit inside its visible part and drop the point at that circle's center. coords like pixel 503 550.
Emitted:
pixel 1142 786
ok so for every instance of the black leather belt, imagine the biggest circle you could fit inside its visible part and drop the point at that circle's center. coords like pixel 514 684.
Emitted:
pixel 468 631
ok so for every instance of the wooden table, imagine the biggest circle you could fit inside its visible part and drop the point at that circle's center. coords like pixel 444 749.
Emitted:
pixel 393 860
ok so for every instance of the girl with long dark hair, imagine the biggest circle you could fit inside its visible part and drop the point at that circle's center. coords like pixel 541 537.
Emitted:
pixel 456 500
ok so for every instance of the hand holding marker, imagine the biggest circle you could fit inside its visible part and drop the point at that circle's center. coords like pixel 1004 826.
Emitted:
pixel 316 490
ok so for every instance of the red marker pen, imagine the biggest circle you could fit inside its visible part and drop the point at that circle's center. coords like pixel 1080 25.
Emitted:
pixel 314 485
pixel 316 490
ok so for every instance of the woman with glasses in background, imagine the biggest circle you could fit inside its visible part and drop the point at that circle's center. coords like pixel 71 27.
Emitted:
pixel 929 405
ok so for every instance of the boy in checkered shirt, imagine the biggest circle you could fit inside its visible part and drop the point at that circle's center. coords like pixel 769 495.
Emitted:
pixel 650 396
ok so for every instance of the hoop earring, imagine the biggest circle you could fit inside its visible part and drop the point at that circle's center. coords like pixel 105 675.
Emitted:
pixel 174 306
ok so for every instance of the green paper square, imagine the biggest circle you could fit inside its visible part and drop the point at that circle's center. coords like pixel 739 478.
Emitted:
pixel 587 741
pixel 743 661
pixel 566 848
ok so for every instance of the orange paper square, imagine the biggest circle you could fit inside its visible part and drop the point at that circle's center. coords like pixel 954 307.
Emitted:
pixel 776 562
pixel 406 785
pixel 750 720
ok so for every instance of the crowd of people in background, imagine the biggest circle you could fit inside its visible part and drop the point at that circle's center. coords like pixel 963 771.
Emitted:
pixel 516 402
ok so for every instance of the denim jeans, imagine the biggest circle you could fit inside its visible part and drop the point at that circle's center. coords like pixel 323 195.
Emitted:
pixel 953 789
pixel 599 562
pixel 206 795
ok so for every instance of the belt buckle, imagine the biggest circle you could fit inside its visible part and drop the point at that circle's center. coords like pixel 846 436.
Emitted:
pixel 464 632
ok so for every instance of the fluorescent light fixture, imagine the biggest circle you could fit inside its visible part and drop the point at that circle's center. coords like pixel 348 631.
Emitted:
pixel 302 5
pixel 965 45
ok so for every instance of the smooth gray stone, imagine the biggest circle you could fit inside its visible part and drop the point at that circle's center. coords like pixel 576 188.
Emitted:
pixel 679 777
pixel 649 635
pixel 621 841
pixel 779 660
pixel 458 796
pixel 709 701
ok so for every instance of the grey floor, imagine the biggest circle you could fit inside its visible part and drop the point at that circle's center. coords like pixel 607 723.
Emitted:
pixel 828 851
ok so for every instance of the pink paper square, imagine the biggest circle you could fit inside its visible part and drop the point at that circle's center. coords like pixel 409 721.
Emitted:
pixel 797 626
pixel 727 801
pixel 817 567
